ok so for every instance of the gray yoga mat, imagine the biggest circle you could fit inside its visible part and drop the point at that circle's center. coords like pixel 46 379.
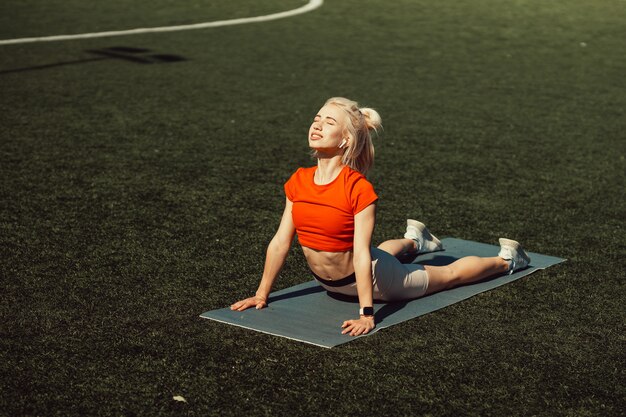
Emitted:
pixel 307 313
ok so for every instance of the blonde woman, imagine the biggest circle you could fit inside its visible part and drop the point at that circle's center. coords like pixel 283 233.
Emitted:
pixel 332 208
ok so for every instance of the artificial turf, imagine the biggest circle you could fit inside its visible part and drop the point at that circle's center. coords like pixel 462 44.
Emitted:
pixel 134 196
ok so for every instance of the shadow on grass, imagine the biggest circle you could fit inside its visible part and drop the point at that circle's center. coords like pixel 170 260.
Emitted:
pixel 121 53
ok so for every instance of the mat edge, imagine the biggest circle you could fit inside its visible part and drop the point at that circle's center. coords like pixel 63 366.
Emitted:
pixel 266 332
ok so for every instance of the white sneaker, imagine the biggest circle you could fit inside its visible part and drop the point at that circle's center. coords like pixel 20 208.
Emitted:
pixel 512 251
pixel 424 240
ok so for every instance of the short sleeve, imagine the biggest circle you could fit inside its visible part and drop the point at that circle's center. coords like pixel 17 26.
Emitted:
pixel 290 186
pixel 362 194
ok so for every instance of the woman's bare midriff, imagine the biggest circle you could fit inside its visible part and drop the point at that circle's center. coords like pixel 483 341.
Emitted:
pixel 329 265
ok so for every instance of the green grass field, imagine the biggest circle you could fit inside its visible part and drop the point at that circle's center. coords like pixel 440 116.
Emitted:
pixel 135 196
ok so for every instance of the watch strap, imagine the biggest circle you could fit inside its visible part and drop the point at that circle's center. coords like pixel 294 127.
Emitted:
pixel 366 311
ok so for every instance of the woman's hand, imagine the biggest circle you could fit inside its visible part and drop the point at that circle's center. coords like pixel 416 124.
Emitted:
pixel 256 301
pixel 358 327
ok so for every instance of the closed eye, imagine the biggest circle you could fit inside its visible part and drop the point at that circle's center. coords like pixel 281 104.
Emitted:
pixel 330 120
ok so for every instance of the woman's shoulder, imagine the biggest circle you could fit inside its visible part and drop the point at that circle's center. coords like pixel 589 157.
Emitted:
pixel 303 172
pixel 359 190
pixel 353 176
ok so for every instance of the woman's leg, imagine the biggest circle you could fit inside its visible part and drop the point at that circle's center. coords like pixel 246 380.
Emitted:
pixel 417 239
pixel 398 247
pixel 397 281
pixel 464 271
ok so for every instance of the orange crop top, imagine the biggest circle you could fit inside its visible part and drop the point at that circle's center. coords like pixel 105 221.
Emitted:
pixel 324 214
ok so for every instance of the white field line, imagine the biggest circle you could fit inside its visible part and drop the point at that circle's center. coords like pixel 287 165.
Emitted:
pixel 311 5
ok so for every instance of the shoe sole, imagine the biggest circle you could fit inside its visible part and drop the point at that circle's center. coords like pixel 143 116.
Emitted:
pixel 421 227
pixel 418 225
pixel 515 245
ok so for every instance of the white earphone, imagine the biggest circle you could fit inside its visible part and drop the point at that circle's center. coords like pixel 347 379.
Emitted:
pixel 342 144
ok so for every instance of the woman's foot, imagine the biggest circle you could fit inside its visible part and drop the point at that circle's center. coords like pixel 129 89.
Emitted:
pixel 512 251
pixel 424 241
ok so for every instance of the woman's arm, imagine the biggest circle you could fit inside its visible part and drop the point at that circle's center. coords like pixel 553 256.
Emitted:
pixel 363 228
pixel 276 254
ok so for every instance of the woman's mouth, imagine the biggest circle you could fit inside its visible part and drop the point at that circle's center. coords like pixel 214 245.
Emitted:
pixel 315 136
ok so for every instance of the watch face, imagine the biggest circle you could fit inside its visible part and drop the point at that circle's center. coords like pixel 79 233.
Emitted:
pixel 367 311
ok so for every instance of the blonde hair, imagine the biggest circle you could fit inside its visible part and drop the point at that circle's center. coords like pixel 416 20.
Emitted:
pixel 359 155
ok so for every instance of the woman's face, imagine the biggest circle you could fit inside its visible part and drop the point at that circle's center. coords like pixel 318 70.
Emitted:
pixel 327 129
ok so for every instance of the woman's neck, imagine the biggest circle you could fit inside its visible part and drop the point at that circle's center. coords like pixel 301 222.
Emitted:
pixel 327 169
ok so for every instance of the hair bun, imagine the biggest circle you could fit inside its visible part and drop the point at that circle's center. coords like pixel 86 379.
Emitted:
pixel 372 118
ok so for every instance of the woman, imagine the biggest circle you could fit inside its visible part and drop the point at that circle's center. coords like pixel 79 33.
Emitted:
pixel 332 207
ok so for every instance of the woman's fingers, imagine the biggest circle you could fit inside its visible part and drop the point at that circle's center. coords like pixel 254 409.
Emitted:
pixel 348 327
pixel 241 305
pixel 355 328
pixel 247 303
pixel 357 331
